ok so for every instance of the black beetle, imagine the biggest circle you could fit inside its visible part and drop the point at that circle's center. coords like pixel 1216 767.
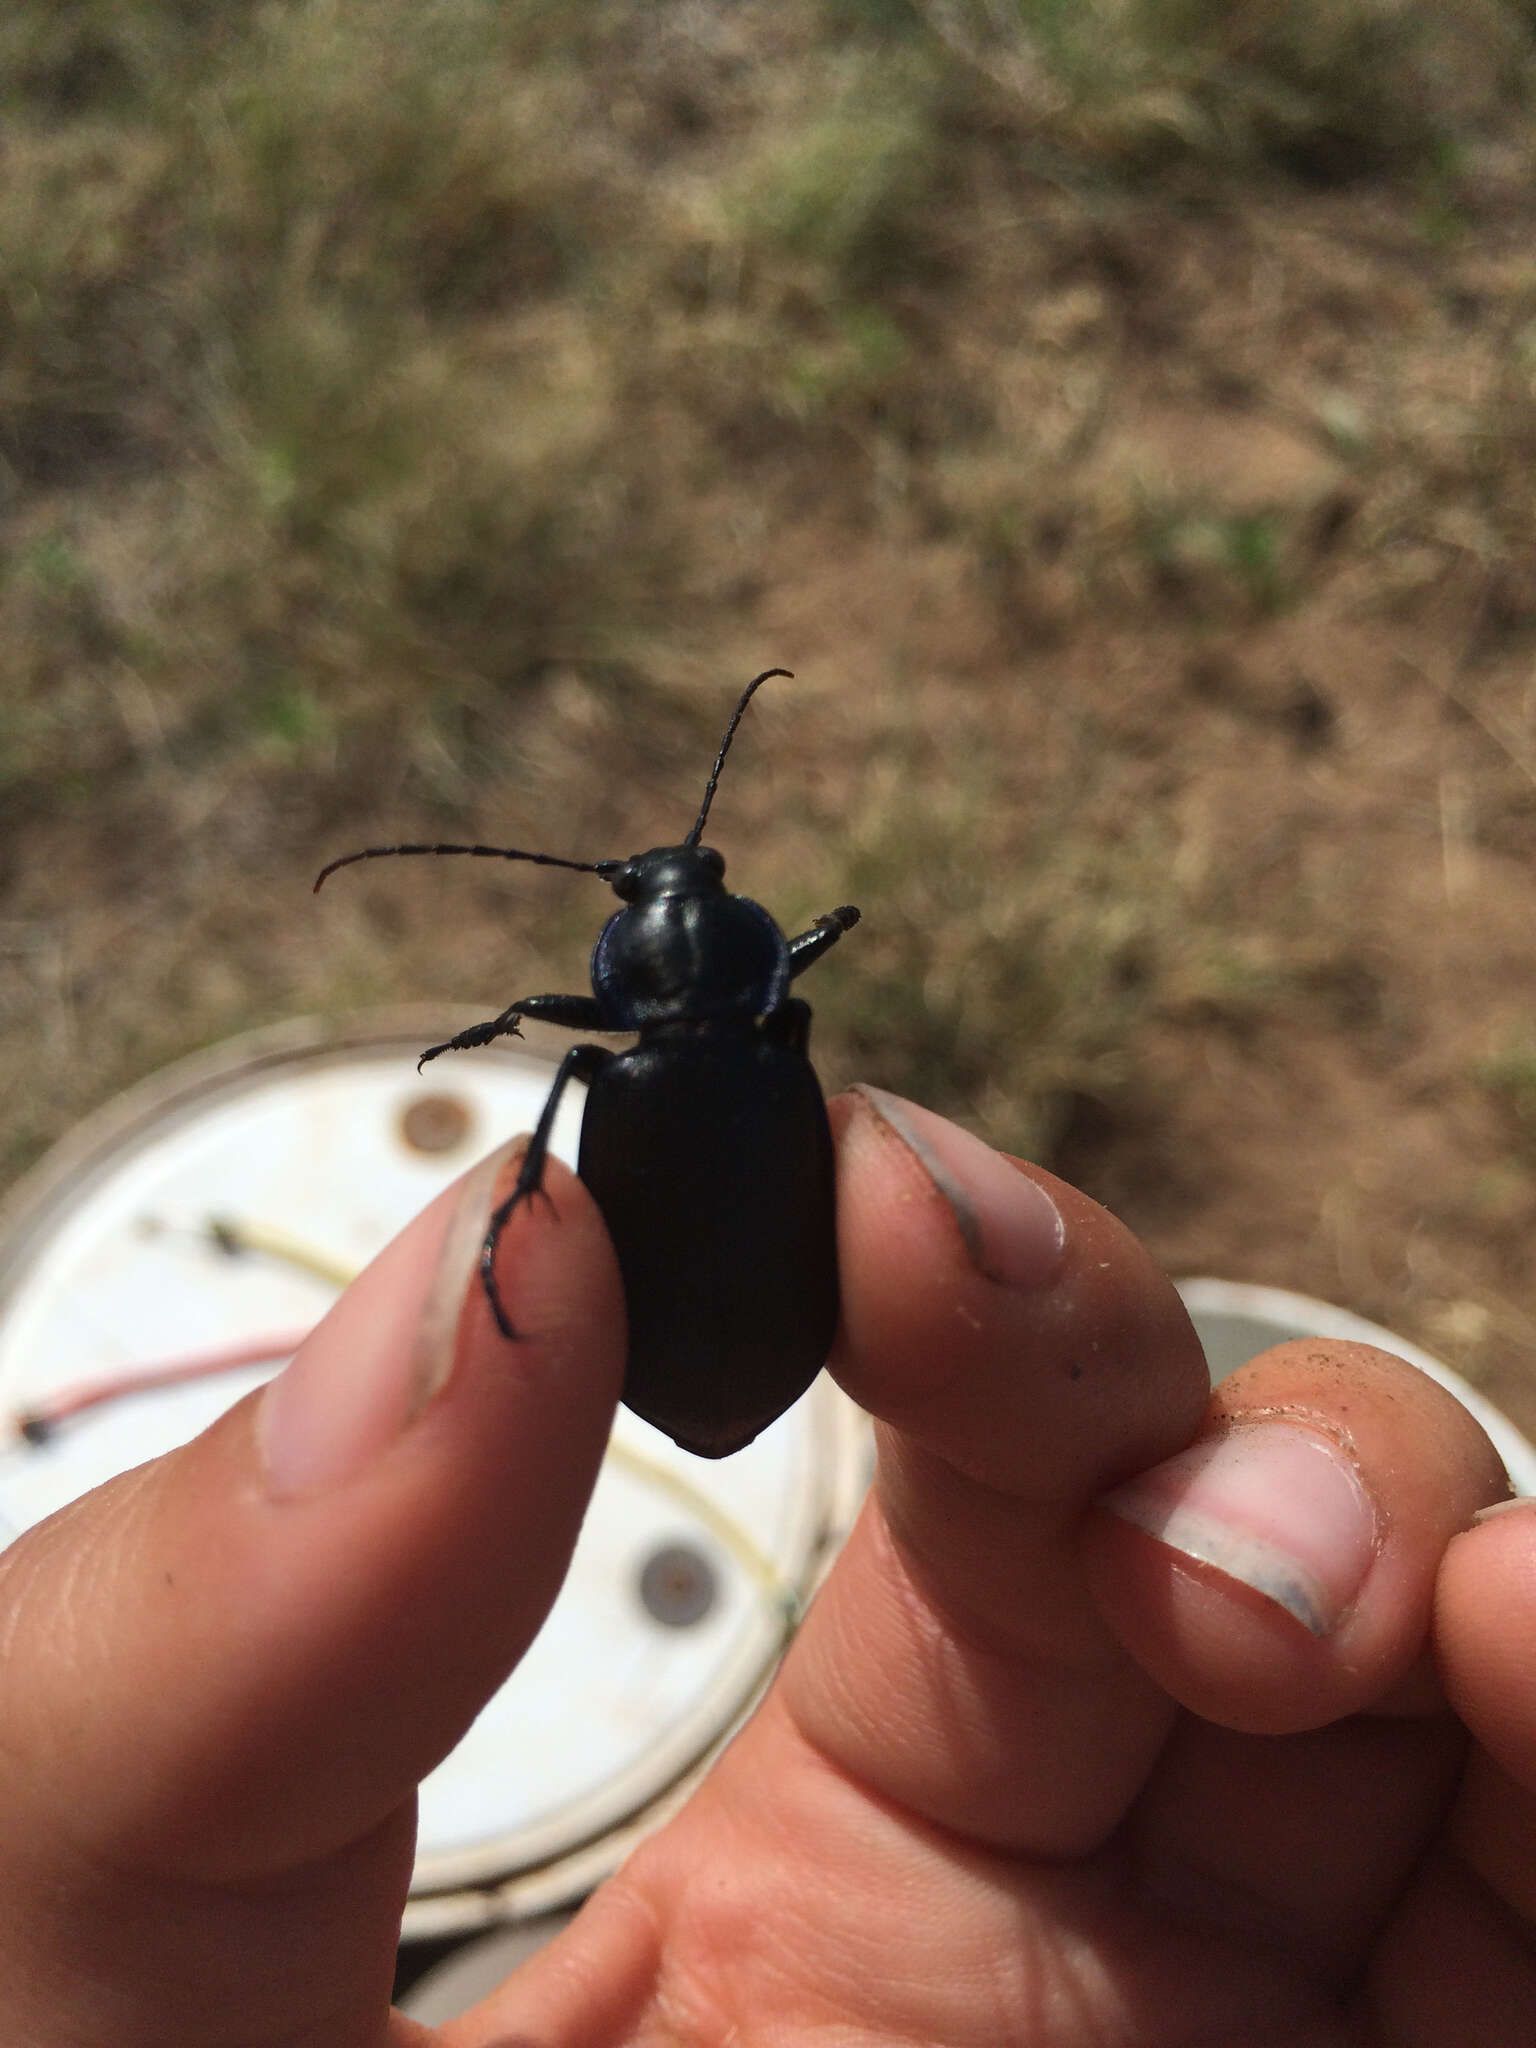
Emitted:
pixel 705 1144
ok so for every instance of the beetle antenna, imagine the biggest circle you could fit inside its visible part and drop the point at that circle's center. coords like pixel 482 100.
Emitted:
pixel 543 860
pixel 725 747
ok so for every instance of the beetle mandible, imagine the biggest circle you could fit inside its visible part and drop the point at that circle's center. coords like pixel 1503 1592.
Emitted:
pixel 705 1144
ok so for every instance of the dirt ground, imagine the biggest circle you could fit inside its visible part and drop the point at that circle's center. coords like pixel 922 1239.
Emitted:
pixel 1335 1131
pixel 1237 644
pixel 1344 784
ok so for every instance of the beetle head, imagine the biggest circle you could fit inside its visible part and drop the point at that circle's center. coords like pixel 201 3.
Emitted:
pixel 668 871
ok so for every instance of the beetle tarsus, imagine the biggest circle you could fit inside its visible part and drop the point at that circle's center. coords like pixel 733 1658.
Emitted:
pixel 529 1185
pixel 504 1026
pixel 488 1282
pixel 581 1062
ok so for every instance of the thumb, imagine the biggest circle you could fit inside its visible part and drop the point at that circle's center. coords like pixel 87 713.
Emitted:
pixel 225 1673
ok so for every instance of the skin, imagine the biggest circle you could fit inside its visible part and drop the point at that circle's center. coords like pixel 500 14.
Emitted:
pixel 1030 1774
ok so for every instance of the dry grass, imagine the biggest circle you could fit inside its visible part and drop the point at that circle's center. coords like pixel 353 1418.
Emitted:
pixel 1323 90
pixel 415 417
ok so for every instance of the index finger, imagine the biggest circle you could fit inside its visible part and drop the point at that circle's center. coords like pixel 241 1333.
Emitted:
pixel 1022 1353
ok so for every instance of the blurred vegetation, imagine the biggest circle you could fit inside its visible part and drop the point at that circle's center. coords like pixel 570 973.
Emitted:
pixel 385 385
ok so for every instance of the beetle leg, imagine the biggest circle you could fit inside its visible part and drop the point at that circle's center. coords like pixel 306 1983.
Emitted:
pixel 823 934
pixel 572 1013
pixel 581 1063
pixel 504 1026
pixel 790 1024
pixel 576 1013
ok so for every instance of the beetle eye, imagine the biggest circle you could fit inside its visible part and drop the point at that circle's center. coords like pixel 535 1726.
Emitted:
pixel 624 881
pixel 713 861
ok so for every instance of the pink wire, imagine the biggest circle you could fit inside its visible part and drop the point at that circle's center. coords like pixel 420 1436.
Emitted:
pixel 140 1379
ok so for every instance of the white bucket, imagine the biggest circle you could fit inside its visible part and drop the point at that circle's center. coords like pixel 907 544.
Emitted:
pixel 306 1148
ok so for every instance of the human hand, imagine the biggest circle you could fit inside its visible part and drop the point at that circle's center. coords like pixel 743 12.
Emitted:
pixel 1030 1775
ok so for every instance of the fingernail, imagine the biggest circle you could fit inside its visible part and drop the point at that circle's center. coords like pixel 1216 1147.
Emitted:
pixel 1278 1508
pixel 1504 1507
pixel 1010 1227
pixel 386 1347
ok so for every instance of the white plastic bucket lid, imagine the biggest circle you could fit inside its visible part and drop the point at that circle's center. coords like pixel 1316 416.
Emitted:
pixel 1236 1321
